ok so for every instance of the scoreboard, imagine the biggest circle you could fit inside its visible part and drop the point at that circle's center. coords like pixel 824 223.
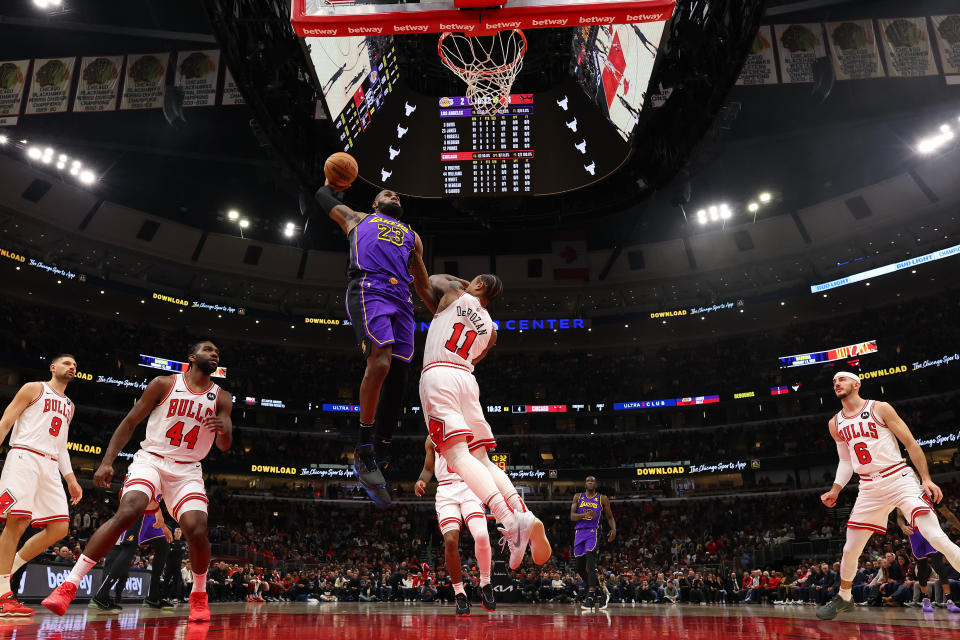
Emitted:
pixel 367 100
pixel 486 155
pixel 502 460
pixel 829 355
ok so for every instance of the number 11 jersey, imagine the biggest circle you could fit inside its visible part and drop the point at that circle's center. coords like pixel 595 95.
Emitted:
pixel 174 427
pixel 459 333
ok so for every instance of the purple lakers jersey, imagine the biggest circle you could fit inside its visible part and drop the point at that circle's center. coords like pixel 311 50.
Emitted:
pixel 381 247
pixel 585 504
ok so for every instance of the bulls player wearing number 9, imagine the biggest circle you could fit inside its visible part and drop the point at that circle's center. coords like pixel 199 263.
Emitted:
pixel 186 414
pixel 30 488
pixel 460 335
pixel 866 433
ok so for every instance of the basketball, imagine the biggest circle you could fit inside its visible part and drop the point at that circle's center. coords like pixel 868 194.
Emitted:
pixel 340 169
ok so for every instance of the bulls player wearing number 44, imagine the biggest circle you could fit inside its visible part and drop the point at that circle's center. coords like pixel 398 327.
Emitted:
pixel 460 335
pixel 866 433
pixel 30 488
pixel 186 414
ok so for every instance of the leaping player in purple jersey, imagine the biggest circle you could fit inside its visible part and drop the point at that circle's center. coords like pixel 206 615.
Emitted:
pixel 386 256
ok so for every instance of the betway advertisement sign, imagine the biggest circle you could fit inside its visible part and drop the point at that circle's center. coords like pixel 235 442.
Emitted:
pixel 321 20
pixel 40 579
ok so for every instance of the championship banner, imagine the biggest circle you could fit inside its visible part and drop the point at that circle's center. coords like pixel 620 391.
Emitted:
pixel 947 30
pixel 907 48
pixel 13 79
pixel 231 92
pixel 570 255
pixel 197 75
pixel 99 84
pixel 144 80
pixel 760 67
pixel 855 53
pixel 798 46
pixel 50 85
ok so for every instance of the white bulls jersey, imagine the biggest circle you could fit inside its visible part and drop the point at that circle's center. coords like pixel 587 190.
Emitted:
pixel 174 429
pixel 459 333
pixel 873 447
pixel 43 425
pixel 442 471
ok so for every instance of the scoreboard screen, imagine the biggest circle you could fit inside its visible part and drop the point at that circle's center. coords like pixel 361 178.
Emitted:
pixel 502 460
pixel 828 355
pixel 437 147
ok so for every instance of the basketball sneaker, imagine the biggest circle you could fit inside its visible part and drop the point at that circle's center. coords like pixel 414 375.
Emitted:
pixel 60 599
pixel 199 607
pixel 486 598
pixel 927 607
pixel 540 549
pixel 157 604
pixel 519 537
pixel 11 607
pixel 370 476
pixel 836 605
pixel 952 608
pixel 103 605
pixel 463 607
pixel 587 604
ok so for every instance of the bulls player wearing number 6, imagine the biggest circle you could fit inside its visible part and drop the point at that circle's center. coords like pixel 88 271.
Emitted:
pixel 460 335
pixel 30 487
pixel 187 413
pixel 866 433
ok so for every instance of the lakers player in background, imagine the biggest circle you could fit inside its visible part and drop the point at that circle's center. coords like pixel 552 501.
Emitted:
pixel 30 487
pixel 186 414
pixel 585 511
pixel 866 433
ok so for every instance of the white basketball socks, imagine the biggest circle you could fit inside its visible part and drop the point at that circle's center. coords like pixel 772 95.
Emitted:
pixel 82 568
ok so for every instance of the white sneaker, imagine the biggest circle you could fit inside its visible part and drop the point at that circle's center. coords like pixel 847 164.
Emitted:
pixel 519 538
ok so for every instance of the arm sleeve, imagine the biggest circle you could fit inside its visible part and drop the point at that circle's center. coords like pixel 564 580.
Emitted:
pixel 326 199
pixel 63 460
pixel 845 468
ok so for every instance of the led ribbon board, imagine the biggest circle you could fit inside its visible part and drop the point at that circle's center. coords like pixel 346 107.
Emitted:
pixel 829 355
pixel 153 362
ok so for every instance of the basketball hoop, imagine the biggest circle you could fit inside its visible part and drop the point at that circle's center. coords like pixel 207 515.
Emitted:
pixel 488 64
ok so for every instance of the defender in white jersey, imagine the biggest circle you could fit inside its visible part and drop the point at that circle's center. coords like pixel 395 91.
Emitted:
pixel 866 433
pixel 188 414
pixel 30 487
pixel 457 504
pixel 461 334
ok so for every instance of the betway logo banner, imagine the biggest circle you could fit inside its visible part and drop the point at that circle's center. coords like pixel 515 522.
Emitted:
pixel 341 21
pixel 40 579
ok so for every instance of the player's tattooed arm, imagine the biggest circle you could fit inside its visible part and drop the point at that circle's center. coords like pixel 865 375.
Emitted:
pixel 427 472
pixel 446 289
pixel 421 279
pixel 340 213
pixel 27 394
pixel 156 390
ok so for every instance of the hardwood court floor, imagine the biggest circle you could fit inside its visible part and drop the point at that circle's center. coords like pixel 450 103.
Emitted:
pixel 415 621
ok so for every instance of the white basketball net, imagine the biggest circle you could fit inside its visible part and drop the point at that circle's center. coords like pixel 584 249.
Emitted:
pixel 488 64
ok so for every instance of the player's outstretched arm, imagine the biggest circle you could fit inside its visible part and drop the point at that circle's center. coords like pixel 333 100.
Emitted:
pixel 421 279
pixel 899 428
pixel 156 390
pixel 844 468
pixel 221 422
pixel 340 213
pixel 427 472
pixel 23 399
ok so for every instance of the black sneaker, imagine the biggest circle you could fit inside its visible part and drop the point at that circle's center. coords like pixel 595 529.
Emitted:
pixel 830 610
pixel 370 476
pixel 463 607
pixel 486 598
pixel 157 604
pixel 587 604
pixel 103 605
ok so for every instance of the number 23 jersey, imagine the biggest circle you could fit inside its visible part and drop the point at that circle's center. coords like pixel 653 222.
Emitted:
pixel 459 333
pixel 873 447
pixel 174 428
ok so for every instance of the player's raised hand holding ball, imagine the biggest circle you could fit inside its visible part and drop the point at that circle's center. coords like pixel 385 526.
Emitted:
pixel 340 170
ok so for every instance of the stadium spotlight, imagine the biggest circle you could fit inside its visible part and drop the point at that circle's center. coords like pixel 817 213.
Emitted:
pixel 702 216
pixel 233 214
pixel 725 212
pixel 765 197
pixel 753 207
pixel 87 177
pixel 289 230
pixel 244 223
pixel 4 139
pixel 34 153
pixel 714 212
